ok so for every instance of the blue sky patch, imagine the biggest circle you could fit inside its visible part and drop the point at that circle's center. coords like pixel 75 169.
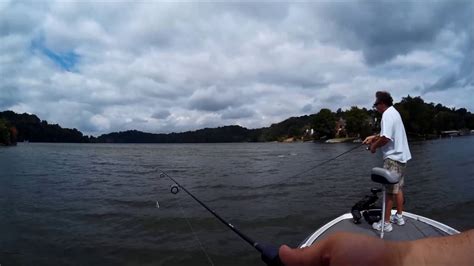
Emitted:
pixel 65 60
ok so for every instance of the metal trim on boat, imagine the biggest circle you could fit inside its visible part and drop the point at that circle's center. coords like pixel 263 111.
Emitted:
pixel 447 229
pixel 323 229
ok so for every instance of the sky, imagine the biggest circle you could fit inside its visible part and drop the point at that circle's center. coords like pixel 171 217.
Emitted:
pixel 166 67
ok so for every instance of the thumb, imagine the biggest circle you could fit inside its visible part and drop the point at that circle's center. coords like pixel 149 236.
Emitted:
pixel 290 256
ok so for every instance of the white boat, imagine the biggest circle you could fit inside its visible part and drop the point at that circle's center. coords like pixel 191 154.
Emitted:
pixel 416 227
pixel 364 213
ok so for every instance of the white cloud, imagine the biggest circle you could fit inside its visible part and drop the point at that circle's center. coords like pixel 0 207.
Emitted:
pixel 101 122
pixel 164 67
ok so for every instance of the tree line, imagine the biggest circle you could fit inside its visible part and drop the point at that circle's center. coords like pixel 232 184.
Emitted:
pixel 422 121
pixel 27 127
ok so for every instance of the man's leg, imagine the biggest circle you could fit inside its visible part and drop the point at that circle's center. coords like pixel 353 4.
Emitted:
pixel 399 197
pixel 394 191
pixel 388 206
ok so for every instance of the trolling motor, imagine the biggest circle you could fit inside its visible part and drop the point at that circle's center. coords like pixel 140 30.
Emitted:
pixel 366 207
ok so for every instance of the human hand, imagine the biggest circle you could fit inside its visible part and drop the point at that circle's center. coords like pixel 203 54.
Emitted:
pixel 372 148
pixel 368 140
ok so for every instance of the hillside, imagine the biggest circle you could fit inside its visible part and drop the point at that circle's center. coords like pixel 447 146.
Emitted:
pixel 220 134
pixel 422 120
pixel 30 128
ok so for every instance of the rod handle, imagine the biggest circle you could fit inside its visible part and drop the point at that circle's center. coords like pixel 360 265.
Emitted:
pixel 270 255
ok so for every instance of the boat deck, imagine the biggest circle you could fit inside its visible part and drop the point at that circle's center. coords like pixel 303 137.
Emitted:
pixel 415 227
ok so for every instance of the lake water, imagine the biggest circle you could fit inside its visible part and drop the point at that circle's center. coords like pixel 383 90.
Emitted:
pixel 95 204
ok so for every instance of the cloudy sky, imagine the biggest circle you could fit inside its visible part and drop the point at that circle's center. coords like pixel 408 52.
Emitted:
pixel 164 67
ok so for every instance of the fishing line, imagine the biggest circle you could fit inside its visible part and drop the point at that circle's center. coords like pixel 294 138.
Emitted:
pixel 324 162
pixel 287 179
pixel 195 234
pixel 269 253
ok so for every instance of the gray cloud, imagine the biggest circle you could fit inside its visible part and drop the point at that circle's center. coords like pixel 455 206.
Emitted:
pixel 8 97
pixel 445 82
pixel 215 99
pixel 334 98
pixel 209 103
pixel 19 18
pixel 238 113
pixel 164 67
pixel 162 114
pixel 463 76
pixel 293 79
pixel 386 29
pixel 307 108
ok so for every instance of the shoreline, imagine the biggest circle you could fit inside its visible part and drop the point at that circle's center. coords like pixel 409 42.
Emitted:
pixel 285 141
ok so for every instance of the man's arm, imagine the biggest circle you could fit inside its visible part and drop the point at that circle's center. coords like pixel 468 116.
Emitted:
pixel 357 249
pixel 449 250
pixel 379 142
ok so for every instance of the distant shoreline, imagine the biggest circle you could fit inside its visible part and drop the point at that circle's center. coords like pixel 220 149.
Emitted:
pixel 411 140
pixel 432 122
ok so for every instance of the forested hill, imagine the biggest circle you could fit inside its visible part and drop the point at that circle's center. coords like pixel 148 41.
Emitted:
pixel 291 127
pixel 220 134
pixel 27 127
pixel 422 120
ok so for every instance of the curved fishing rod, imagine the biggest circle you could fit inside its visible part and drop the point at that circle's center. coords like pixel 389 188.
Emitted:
pixel 268 253
pixel 325 161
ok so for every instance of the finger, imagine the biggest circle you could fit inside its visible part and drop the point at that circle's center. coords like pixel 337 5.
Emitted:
pixel 290 257
pixel 297 256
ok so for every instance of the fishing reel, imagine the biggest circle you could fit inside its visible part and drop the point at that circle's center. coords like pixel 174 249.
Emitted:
pixel 174 189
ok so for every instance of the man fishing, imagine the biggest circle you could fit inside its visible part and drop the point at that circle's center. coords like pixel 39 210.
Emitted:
pixel 393 142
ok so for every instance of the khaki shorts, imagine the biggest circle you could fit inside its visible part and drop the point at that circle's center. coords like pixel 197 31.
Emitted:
pixel 399 168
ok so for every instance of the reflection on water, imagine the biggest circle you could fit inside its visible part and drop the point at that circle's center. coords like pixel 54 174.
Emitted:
pixel 74 204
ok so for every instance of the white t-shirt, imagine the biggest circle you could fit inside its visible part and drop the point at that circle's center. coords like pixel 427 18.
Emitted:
pixel 392 128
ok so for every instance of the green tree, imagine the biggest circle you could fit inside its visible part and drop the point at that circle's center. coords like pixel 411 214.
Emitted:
pixel 294 131
pixel 417 115
pixel 444 120
pixel 324 124
pixel 4 132
pixel 470 121
pixel 357 122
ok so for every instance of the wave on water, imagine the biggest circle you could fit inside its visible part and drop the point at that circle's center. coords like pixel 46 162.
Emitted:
pixel 240 197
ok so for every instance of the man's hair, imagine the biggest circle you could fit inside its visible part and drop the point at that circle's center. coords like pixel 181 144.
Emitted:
pixel 384 97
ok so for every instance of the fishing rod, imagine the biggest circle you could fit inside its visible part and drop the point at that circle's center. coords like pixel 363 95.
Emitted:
pixel 269 253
